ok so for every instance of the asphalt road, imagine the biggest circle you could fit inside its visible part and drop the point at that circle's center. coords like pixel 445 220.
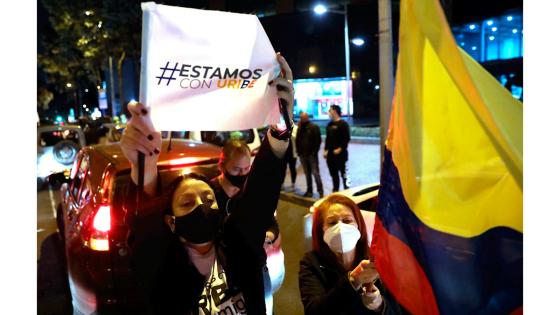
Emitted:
pixel 53 295
pixel 363 168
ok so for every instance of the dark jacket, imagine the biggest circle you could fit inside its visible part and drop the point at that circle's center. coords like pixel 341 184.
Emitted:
pixel 308 139
pixel 170 283
pixel 325 289
pixel 338 136
pixel 226 204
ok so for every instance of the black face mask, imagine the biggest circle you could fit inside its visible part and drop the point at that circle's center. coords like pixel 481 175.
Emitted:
pixel 237 180
pixel 199 226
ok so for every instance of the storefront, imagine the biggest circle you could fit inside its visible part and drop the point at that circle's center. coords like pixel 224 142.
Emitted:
pixel 315 96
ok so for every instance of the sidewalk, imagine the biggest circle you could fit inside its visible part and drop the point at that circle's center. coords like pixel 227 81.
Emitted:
pixel 363 168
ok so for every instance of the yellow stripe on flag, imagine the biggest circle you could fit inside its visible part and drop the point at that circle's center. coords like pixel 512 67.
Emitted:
pixel 456 133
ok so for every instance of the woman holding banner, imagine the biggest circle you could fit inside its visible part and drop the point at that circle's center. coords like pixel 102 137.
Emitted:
pixel 184 263
pixel 337 276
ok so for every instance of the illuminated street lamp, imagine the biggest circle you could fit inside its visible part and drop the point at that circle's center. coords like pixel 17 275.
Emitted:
pixel 321 9
pixel 68 85
pixel 358 41
pixel 312 69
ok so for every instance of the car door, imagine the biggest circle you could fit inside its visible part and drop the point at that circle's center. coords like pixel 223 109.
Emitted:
pixel 79 195
pixel 71 195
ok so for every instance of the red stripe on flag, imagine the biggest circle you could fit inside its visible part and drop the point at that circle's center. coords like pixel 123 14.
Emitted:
pixel 401 273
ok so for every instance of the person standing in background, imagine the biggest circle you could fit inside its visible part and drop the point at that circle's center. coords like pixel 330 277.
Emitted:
pixel 308 143
pixel 291 156
pixel 336 147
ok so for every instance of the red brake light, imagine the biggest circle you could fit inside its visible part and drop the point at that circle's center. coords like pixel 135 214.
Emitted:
pixel 182 161
pixel 102 219
pixel 101 225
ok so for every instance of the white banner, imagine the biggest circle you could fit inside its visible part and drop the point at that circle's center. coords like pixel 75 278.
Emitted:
pixel 206 70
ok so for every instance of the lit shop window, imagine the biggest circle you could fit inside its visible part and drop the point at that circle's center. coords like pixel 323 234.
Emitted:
pixel 492 39
pixel 315 96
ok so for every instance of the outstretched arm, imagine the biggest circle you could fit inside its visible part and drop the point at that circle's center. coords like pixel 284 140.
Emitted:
pixel 259 197
pixel 141 136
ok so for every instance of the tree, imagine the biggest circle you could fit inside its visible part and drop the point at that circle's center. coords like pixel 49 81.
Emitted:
pixel 85 34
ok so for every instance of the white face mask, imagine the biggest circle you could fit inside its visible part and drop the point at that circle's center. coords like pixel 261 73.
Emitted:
pixel 342 237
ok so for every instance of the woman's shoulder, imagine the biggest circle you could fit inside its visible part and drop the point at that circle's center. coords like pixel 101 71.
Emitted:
pixel 312 259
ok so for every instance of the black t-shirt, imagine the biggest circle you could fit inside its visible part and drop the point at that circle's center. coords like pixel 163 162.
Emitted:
pixel 226 204
pixel 338 136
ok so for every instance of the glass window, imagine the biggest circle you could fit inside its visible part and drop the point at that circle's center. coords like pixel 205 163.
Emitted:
pixel 79 178
pixel 492 39
pixel 220 137
pixel 314 96
pixel 179 134
pixel 50 138
pixel 175 134
pixel 85 194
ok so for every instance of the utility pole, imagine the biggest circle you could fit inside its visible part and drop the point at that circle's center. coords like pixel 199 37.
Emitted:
pixel 112 86
pixel 385 70
pixel 347 61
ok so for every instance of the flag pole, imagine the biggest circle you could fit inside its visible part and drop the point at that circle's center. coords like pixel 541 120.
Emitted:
pixel 385 71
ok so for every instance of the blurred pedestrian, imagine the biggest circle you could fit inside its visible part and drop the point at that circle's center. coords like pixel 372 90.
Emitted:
pixel 336 147
pixel 291 156
pixel 308 142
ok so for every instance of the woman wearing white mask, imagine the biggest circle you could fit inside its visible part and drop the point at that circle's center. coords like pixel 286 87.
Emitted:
pixel 336 276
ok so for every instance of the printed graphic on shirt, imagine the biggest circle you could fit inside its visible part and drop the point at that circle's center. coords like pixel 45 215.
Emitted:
pixel 217 298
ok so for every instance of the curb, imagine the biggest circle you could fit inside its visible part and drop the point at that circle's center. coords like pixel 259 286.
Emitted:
pixel 360 140
pixel 297 199
pixel 364 140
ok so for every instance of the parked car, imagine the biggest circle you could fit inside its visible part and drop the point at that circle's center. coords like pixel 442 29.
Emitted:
pixel 94 129
pixel 365 196
pixel 91 218
pixel 57 148
pixel 114 132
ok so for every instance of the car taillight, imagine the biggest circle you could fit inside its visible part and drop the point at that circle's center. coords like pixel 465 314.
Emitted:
pixel 101 225
pixel 182 161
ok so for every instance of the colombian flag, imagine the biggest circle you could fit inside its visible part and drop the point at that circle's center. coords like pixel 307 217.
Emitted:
pixel 448 236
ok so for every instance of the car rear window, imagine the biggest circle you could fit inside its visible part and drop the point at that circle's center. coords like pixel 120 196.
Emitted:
pixel 166 177
pixel 175 134
pixel 220 137
pixel 50 138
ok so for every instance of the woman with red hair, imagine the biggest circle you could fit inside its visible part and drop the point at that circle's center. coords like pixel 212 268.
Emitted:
pixel 337 276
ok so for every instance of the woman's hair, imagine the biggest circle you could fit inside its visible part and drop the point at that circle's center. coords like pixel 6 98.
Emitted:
pixel 318 244
pixel 170 190
pixel 233 147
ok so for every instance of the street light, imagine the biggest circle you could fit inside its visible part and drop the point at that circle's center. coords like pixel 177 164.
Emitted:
pixel 312 69
pixel 358 41
pixel 320 9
